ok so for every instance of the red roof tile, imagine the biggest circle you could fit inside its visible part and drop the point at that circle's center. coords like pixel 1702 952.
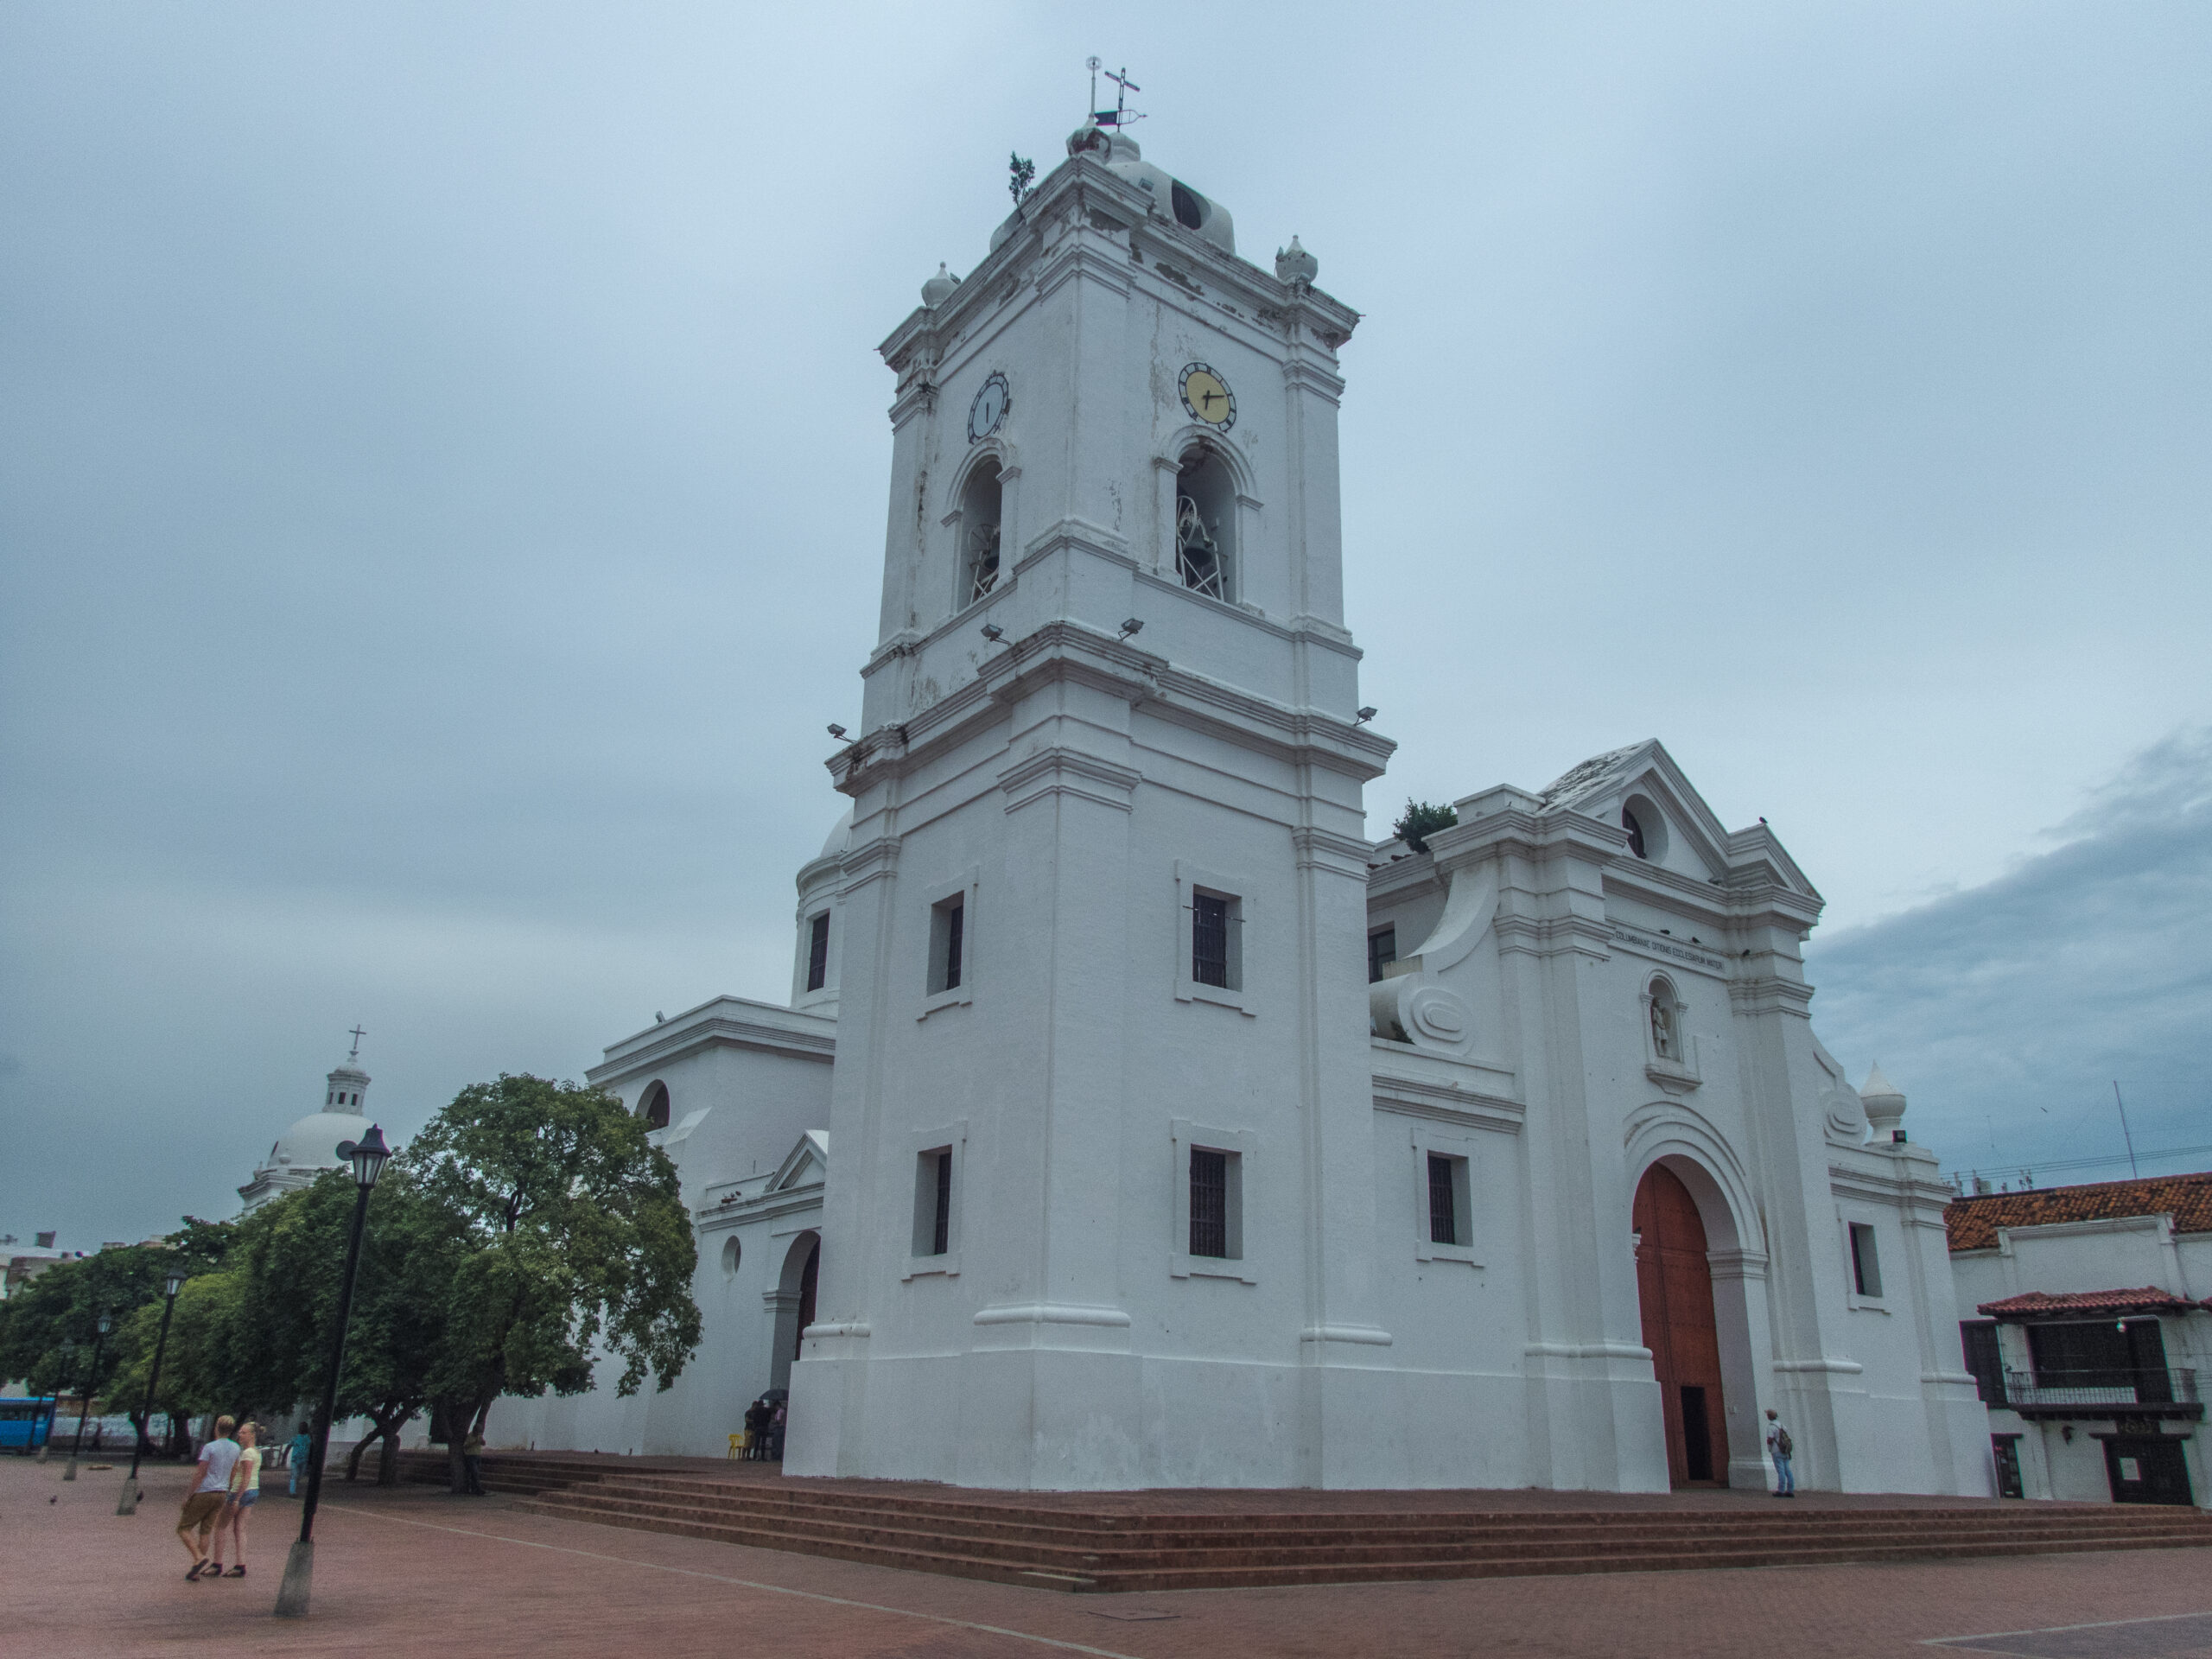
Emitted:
pixel 1972 1223
pixel 2149 1299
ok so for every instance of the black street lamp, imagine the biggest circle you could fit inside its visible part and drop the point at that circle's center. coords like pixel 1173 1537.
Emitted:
pixel 128 1503
pixel 84 1406
pixel 368 1156
pixel 66 1351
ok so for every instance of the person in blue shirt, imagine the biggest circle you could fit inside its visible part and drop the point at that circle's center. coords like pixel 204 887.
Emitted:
pixel 302 1448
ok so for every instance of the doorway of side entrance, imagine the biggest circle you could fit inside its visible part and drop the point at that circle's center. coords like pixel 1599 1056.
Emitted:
pixel 1674 1284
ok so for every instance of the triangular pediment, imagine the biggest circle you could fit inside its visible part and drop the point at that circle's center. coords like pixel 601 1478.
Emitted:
pixel 1602 786
pixel 807 1164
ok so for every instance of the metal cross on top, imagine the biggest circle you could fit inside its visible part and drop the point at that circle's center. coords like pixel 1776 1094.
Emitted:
pixel 355 1052
pixel 1120 115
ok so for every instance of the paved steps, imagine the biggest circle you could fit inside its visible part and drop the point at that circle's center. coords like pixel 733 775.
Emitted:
pixel 1071 1549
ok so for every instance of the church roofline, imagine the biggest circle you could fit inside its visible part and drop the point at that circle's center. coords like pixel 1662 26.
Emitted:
pixel 726 1021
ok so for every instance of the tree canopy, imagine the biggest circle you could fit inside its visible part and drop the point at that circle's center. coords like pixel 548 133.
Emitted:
pixel 1419 819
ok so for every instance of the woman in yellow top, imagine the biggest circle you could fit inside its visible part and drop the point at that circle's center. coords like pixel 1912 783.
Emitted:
pixel 244 1493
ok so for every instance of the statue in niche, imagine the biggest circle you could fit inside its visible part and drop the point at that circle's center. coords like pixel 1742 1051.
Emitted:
pixel 1663 1025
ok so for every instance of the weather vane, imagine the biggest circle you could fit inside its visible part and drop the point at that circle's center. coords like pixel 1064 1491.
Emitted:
pixel 1120 115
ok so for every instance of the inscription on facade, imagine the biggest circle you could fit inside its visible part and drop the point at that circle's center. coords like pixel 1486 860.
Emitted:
pixel 1668 950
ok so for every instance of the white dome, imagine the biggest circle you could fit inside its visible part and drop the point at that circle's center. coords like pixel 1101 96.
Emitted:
pixel 840 837
pixel 312 1143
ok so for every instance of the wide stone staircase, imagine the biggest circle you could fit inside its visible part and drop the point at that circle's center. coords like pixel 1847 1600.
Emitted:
pixel 1054 1546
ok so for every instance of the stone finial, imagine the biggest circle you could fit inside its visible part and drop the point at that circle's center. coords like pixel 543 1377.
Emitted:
pixel 938 288
pixel 1885 1105
pixel 1295 265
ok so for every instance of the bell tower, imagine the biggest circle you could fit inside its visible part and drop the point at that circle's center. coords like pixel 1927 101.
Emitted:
pixel 1103 1185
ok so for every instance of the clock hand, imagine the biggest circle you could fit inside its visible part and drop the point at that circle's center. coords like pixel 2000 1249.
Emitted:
pixel 1210 397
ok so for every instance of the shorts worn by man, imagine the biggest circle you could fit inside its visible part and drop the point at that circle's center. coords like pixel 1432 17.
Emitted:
pixel 203 1506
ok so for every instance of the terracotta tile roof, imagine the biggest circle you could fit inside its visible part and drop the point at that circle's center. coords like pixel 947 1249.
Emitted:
pixel 2149 1299
pixel 1972 1223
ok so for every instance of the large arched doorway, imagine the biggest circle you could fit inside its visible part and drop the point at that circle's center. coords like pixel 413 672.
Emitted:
pixel 1674 1283
pixel 793 1300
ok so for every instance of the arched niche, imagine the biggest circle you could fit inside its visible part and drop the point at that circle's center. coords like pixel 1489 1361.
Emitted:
pixel 793 1302
pixel 652 1105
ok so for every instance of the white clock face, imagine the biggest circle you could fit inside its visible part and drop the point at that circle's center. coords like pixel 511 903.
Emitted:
pixel 989 408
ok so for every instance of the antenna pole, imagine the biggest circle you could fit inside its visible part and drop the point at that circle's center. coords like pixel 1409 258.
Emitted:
pixel 2123 1135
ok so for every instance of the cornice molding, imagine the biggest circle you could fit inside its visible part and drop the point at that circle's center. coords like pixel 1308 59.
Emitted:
pixel 717 1026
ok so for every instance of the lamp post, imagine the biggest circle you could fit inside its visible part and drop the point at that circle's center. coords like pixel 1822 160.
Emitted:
pixel 67 1350
pixel 128 1503
pixel 367 1155
pixel 84 1406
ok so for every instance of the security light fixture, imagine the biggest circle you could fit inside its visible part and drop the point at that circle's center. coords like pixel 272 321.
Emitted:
pixel 1366 714
pixel 837 731
pixel 1130 626
pixel 993 632
pixel 368 1156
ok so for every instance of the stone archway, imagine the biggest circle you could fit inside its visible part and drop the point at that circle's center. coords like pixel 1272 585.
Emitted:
pixel 1674 1282
pixel 793 1301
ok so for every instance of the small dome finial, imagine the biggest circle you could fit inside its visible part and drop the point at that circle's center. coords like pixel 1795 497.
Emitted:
pixel 938 288
pixel 1295 265
pixel 1885 1105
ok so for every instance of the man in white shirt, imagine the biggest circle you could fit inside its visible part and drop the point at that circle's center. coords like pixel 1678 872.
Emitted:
pixel 203 1504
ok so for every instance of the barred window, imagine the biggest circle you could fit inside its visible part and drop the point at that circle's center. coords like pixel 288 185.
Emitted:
pixel 817 952
pixel 1210 939
pixel 1209 1201
pixel 1443 1209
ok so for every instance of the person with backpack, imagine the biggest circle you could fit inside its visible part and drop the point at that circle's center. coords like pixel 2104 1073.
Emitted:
pixel 1777 1445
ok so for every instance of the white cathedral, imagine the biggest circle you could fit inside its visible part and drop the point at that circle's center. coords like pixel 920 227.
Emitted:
pixel 1135 1121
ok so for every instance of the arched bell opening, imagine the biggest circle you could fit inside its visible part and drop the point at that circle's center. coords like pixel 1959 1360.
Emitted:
pixel 1205 524
pixel 652 1106
pixel 1699 1341
pixel 983 500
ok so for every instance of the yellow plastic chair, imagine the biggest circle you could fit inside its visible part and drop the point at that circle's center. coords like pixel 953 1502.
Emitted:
pixel 736 1444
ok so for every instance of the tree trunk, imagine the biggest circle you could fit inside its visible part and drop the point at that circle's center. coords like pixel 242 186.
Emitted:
pixel 457 1414
pixel 388 1459
pixel 353 1463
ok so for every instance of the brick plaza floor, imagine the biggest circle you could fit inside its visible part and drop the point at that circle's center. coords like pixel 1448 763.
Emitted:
pixel 414 1571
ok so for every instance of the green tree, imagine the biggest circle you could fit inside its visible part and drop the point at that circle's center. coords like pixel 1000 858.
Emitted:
pixel 578 1244
pixel 64 1303
pixel 1419 819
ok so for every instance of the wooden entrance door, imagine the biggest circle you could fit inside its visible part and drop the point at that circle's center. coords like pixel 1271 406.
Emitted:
pixel 1674 1285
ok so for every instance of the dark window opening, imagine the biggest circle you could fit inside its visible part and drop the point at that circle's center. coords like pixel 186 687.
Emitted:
pixel 941 1237
pixel 947 943
pixel 1443 1204
pixel 1382 951
pixel 981 509
pixel 1210 939
pixel 1866 1263
pixel 1190 212
pixel 1209 1201
pixel 1205 524
pixel 817 952
pixel 1635 832
pixel 654 1107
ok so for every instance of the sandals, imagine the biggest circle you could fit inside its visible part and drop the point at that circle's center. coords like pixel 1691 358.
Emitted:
pixel 192 1574
pixel 238 1572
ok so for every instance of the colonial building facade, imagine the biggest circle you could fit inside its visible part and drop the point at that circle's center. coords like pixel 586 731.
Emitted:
pixel 1135 1119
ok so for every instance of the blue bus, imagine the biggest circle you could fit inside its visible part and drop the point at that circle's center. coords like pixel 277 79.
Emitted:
pixel 24 1423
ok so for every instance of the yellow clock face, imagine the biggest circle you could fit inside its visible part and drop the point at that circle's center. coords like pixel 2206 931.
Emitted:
pixel 1207 397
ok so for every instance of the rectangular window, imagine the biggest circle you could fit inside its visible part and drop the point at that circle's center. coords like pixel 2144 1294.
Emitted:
pixel 1978 1337
pixel 1866 1265
pixel 1210 939
pixel 947 943
pixel 1444 1199
pixel 817 952
pixel 933 1202
pixel 1382 951
pixel 1209 1201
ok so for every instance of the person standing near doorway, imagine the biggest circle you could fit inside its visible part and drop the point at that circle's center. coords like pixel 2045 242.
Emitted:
pixel 1777 1447
pixel 244 1492
pixel 203 1503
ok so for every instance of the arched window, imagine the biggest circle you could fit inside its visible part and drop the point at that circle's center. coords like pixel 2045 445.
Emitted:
pixel 653 1106
pixel 980 512
pixel 1205 524
pixel 1635 831
pixel 1665 1012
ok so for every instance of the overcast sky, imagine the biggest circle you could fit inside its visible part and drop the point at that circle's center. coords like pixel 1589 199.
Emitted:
pixel 442 454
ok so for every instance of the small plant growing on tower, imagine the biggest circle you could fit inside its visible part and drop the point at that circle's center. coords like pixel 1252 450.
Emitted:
pixel 1420 820
pixel 1020 175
